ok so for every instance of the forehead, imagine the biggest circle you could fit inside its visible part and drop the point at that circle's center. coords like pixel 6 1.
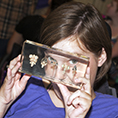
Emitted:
pixel 70 45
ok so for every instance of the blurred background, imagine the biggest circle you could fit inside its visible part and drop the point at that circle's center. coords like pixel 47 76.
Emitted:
pixel 101 5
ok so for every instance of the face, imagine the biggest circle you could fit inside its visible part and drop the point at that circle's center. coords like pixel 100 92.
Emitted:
pixel 65 68
pixel 111 9
pixel 72 46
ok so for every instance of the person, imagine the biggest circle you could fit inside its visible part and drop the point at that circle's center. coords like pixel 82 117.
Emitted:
pixel 112 14
pixel 10 14
pixel 115 50
pixel 75 28
pixel 28 27
pixel 111 18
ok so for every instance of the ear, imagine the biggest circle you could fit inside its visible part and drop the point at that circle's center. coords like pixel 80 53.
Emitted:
pixel 102 58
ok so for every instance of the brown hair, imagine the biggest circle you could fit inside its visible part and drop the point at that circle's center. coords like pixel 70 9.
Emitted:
pixel 84 22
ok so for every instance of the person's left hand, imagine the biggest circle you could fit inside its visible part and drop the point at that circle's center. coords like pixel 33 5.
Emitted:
pixel 77 104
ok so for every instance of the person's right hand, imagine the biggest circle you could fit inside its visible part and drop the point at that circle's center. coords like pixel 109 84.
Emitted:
pixel 13 85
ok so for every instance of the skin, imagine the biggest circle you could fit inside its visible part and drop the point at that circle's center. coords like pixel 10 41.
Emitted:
pixel 76 103
pixel 113 14
pixel 111 8
pixel 12 86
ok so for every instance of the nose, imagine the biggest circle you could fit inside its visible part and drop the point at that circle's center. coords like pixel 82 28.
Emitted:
pixel 61 72
pixel 59 75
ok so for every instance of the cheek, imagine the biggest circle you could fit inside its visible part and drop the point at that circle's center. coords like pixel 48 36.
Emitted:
pixel 93 70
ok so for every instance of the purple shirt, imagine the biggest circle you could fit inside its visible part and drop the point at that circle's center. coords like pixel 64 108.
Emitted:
pixel 35 102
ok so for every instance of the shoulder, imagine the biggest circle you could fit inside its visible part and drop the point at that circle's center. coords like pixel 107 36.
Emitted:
pixel 105 98
pixel 32 18
pixel 104 106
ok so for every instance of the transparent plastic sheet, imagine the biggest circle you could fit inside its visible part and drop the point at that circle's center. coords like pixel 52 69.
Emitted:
pixel 52 64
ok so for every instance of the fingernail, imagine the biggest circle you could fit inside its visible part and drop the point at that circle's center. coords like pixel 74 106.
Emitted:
pixel 76 80
pixel 68 103
pixel 87 76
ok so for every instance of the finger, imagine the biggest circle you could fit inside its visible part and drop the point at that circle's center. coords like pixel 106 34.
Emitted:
pixel 76 102
pixel 24 80
pixel 82 80
pixel 15 69
pixel 78 93
pixel 14 62
pixel 86 84
pixel 8 78
pixel 87 75
pixel 64 90
pixel 82 102
pixel 18 75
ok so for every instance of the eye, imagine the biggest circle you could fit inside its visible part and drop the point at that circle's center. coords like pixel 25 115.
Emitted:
pixel 50 58
pixel 52 61
pixel 73 61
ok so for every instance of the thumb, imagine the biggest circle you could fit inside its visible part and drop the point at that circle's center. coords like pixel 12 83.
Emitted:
pixel 24 80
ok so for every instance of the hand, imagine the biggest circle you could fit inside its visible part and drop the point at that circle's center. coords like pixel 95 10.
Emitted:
pixel 13 85
pixel 78 103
